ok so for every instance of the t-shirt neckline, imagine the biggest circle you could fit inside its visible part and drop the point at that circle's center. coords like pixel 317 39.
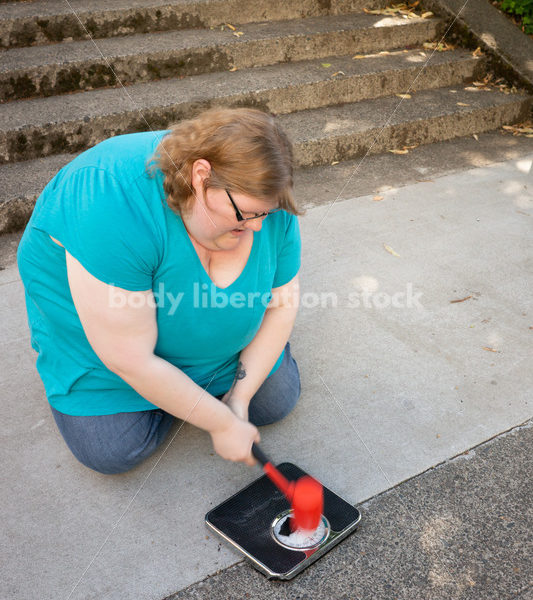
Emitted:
pixel 201 267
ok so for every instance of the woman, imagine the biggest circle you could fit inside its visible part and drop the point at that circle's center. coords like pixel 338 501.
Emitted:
pixel 161 276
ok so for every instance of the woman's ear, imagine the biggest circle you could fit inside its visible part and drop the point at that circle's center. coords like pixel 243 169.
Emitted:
pixel 201 169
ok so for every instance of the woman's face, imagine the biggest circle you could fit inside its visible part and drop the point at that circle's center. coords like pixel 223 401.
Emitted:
pixel 213 216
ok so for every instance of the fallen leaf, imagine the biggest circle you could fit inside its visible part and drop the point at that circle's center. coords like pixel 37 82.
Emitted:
pixel 398 151
pixel 438 46
pixel 377 198
pixel 359 56
pixel 438 435
pixel 523 129
pixel 338 73
pixel 391 251
pixel 453 91
pixel 489 349
pixel 233 69
pixel 238 33
pixel 461 300
pixel 462 104
pixel 230 26
pixel 404 96
pixel 335 162
pixel 477 52
pixel 427 14
pixel 403 9
pixel 326 65
pixel 475 137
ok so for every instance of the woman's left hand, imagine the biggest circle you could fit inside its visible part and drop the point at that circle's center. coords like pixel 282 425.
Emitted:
pixel 238 407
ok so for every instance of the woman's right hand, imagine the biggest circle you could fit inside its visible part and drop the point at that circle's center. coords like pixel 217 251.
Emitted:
pixel 234 441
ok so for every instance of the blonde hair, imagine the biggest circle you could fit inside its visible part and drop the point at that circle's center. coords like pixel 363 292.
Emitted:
pixel 248 152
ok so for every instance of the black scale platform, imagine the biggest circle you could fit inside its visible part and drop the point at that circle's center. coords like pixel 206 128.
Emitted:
pixel 245 520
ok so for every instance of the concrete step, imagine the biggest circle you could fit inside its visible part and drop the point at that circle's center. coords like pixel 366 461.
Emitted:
pixel 45 21
pixel 322 136
pixel 43 126
pixel 74 66
pixel 337 133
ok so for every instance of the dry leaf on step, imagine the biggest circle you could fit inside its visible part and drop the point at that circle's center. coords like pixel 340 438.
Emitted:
pixel 391 251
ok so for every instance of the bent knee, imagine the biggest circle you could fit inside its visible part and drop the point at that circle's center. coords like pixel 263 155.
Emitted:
pixel 112 461
pixel 108 465
pixel 266 410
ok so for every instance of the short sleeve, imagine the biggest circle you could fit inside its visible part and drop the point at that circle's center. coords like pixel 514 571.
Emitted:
pixel 289 253
pixel 105 224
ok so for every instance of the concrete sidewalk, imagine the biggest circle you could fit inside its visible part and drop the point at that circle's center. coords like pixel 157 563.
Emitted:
pixel 459 531
pixel 396 379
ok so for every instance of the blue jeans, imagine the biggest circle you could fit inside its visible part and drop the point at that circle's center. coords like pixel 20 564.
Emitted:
pixel 116 443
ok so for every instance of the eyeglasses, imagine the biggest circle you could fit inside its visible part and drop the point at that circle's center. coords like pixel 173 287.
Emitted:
pixel 257 216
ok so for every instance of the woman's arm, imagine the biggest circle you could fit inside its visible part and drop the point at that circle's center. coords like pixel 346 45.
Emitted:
pixel 124 333
pixel 258 358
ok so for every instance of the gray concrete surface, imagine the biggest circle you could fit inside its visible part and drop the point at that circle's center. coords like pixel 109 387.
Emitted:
pixel 72 122
pixel 388 392
pixel 495 33
pixel 459 531
pixel 66 67
pixel 338 133
pixel 44 21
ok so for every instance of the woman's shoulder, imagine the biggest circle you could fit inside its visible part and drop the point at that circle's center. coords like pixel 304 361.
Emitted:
pixel 121 156
pixel 282 223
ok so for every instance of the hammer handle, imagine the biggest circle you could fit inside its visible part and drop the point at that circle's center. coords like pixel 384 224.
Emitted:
pixel 260 455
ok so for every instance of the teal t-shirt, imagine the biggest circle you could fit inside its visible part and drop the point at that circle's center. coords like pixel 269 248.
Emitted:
pixel 110 213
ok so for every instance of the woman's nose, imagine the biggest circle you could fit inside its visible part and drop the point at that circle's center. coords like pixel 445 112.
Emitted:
pixel 254 224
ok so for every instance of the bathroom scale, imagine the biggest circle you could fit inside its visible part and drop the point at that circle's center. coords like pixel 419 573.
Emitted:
pixel 256 521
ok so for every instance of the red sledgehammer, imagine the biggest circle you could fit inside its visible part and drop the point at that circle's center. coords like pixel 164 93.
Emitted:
pixel 305 495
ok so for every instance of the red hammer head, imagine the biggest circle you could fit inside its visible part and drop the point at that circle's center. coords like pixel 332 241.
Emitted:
pixel 305 495
pixel 307 503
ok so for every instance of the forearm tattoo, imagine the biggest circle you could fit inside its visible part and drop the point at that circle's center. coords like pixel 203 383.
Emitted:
pixel 239 374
